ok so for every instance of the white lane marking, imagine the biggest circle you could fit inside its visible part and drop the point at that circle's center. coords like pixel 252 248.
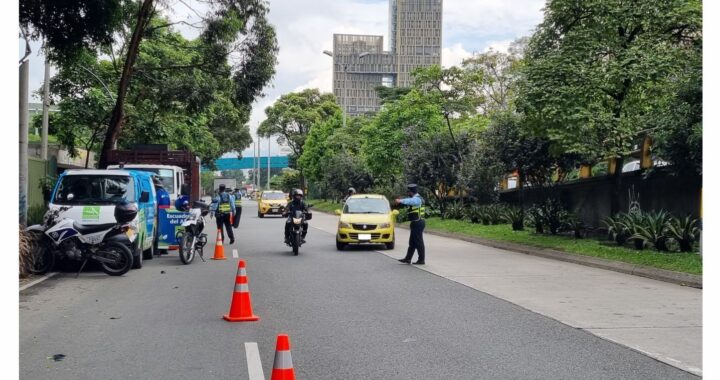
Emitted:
pixel 235 254
pixel 255 371
pixel 39 280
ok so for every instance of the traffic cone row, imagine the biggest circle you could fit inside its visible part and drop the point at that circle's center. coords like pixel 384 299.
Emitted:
pixel 241 311
pixel 219 250
pixel 240 305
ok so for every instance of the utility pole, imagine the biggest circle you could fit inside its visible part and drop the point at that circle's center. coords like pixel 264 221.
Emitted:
pixel 252 179
pixel 268 158
pixel 46 113
pixel 23 177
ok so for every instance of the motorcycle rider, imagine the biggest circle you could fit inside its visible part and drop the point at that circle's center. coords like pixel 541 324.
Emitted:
pixel 224 206
pixel 296 204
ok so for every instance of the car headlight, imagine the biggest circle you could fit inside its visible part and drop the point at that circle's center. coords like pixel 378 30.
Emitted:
pixel 384 225
pixel 344 225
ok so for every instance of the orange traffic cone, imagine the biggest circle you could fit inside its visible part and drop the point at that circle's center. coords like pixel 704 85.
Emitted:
pixel 240 306
pixel 282 366
pixel 219 250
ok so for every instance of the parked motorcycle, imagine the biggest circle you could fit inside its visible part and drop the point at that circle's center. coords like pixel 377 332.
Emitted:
pixel 192 240
pixel 297 220
pixel 64 238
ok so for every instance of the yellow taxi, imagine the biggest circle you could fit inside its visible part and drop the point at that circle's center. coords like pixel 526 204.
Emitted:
pixel 271 202
pixel 366 219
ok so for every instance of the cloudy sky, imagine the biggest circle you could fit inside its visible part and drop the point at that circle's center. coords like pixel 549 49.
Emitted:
pixel 305 29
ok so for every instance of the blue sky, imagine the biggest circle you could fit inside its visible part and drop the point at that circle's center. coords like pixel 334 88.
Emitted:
pixel 305 29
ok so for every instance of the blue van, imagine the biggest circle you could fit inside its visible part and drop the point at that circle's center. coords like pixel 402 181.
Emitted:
pixel 93 194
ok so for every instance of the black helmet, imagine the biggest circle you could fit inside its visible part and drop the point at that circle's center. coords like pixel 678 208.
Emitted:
pixel 351 190
pixel 221 187
pixel 297 192
pixel 125 211
pixel 413 188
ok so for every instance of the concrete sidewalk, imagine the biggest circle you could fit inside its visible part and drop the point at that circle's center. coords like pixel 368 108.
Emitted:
pixel 659 319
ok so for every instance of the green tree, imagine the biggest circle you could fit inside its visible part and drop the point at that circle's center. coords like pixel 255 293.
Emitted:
pixel 595 69
pixel 236 28
pixel 384 137
pixel 293 115
pixel 69 27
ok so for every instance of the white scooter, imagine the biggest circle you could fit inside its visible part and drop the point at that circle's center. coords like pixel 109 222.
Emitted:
pixel 192 240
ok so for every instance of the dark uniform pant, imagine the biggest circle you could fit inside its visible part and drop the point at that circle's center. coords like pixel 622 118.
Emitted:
pixel 416 240
pixel 223 219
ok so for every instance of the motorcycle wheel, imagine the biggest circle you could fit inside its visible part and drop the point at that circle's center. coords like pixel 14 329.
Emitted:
pixel 296 244
pixel 187 251
pixel 40 259
pixel 122 256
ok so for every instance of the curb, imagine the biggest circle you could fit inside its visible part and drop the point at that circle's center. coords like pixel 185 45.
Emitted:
pixel 684 279
pixel 39 280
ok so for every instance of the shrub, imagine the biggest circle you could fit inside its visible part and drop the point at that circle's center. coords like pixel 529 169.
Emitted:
pixel 474 213
pixel 652 230
pixel 684 231
pixel 535 219
pixel 24 253
pixel 454 211
pixel 495 213
pixel 632 223
pixel 552 214
pixel 616 229
pixel 515 216
pixel 572 223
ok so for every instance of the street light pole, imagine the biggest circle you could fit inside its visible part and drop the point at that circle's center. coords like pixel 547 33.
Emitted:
pixel 268 154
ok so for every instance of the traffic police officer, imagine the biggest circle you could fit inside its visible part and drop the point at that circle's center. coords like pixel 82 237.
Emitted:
pixel 416 215
pixel 224 206
pixel 238 208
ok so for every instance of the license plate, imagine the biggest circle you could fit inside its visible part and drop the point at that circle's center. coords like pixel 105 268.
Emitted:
pixel 274 210
pixel 364 237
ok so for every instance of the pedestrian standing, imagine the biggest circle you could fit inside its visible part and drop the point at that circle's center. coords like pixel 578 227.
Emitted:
pixel 416 215
pixel 224 206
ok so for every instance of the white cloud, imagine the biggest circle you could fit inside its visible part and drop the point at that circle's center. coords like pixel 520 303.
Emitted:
pixel 490 19
pixel 453 55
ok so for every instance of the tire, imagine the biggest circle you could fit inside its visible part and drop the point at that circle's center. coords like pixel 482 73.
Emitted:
pixel 137 259
pixel 390 245
pixel 340 245
pixel 260 215
pixel 187 251
pixel 40 259
pixel 121 253
pixel 295 245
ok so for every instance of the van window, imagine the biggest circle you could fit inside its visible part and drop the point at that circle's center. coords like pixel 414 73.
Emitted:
pixel 95 189
pixel 166 176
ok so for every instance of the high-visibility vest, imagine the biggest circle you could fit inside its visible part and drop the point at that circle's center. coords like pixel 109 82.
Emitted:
pixel 238 201
pixel 224 204
pixel 417 212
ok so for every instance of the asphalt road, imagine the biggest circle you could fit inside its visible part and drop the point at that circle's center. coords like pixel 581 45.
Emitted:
pixel 355 314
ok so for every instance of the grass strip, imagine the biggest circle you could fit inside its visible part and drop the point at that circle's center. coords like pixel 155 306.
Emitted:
pixel 680 262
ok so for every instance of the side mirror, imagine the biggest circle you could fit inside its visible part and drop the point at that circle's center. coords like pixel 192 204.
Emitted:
pixel 395 212
pixel 338 212
pixel 144 197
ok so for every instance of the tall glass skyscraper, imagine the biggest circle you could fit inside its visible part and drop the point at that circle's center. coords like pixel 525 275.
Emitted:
pixel 360 64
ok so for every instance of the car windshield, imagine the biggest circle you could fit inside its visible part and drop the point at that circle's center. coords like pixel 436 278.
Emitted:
pixel 273 196
pixel 94 189
pixel 366 206
pixel 165 175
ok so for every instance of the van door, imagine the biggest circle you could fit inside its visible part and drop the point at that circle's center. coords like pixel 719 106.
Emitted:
pixel 148 207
